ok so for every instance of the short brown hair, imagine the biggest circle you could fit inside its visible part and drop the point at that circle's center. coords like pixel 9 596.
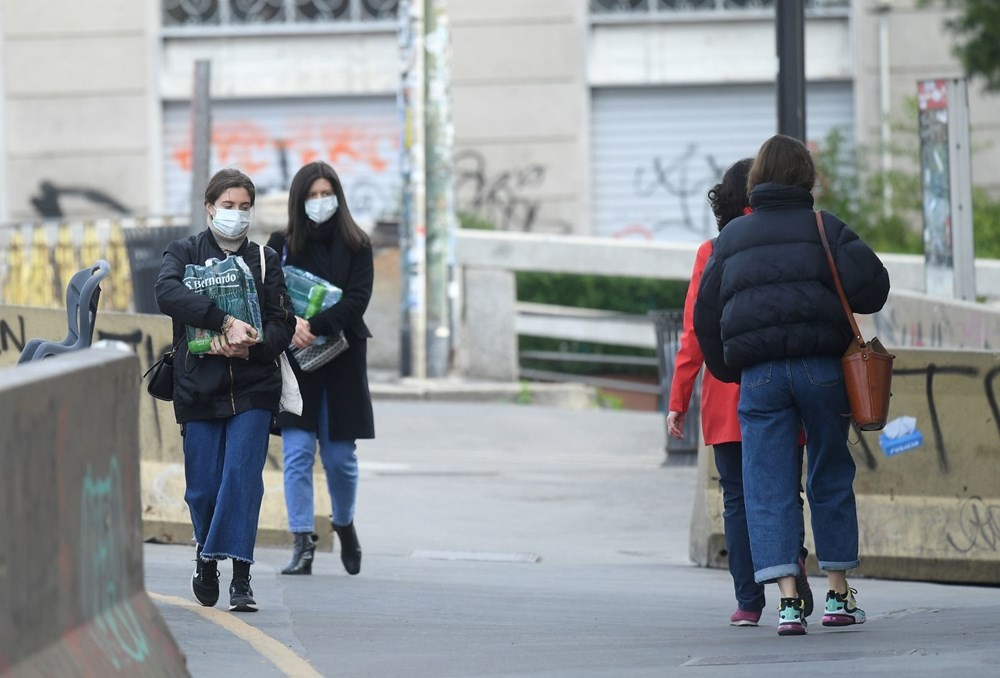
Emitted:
pixel 225 179
pixel 783 160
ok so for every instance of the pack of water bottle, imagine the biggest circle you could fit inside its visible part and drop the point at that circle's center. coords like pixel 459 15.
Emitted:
pixel 310 295
pixel 231 286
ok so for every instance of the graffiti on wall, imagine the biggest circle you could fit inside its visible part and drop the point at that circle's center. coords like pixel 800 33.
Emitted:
pixel 988 383
pixel 508 199
pixel 365 157
pixel 104 569
pixel 671 191
pixel 47 202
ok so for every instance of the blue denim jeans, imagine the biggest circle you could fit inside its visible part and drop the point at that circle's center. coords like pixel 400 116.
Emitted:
pixel 774 397
pixel 340 462
pixel 729 462
pixel 224 467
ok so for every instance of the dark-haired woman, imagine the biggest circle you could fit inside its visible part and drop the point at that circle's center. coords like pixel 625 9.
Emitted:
pixel 323 238
pixel 768 316
pixel 224 400
pixel 719 423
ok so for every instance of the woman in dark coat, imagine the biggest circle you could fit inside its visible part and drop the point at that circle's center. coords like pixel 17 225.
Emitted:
pixel 322 238
pixel 768 316
pixel 225 399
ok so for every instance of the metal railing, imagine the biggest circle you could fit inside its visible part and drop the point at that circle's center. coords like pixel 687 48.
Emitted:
pixel 663 9
pixel 180 14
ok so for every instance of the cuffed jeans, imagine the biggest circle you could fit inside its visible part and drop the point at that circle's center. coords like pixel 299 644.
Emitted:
pixel 340 463
pixel 774 397
pixel 224 467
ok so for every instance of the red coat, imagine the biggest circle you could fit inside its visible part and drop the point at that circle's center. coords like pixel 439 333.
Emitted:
pixel 719 400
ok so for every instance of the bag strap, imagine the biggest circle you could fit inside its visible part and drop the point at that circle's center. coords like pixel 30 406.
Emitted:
pixel 836 281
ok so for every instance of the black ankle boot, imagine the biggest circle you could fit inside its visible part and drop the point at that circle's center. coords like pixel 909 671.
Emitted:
pixel 350 549
pixel 302 554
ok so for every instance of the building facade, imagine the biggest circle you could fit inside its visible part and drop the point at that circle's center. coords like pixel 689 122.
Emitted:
pixel 599 117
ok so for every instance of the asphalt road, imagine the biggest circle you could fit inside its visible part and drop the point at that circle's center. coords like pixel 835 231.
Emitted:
pixel 511 540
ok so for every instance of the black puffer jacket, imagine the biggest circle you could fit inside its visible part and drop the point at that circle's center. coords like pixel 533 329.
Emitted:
pixel 768 293
pixel 212 386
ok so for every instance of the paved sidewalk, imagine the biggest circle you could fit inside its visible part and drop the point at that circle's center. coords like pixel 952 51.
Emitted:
pixel 507 540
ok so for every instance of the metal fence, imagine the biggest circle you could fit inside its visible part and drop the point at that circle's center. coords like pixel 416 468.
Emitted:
pixel 672 8
pixel 202 13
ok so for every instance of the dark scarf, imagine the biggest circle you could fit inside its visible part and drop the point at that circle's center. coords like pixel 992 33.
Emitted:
pixel 318 255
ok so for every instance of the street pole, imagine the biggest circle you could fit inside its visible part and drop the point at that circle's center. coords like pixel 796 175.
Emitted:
pixel 440 195
pixel 201 141
pixel 791 68
pixel 412 229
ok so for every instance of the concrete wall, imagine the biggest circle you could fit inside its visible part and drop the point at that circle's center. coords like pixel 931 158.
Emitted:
pixel 928 513
pixel 521 112
pixel 164 513
pixel 711 51
pixel 76 107
pixel 72 597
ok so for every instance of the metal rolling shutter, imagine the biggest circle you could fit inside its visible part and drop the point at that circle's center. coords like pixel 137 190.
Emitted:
pixel 270 140
pixel 657 151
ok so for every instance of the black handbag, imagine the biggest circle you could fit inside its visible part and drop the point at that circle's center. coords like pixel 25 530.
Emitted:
pixel 160 384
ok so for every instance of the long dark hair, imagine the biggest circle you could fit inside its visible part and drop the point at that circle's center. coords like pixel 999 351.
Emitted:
pixel 299 224
pixel 730 196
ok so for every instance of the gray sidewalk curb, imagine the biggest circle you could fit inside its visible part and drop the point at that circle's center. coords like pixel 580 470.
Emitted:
pixel 570 396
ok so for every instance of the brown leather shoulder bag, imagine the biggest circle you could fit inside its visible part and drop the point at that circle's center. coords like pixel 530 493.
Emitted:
pixel 867 365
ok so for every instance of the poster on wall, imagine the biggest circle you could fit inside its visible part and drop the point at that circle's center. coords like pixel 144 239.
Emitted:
pixel 932 104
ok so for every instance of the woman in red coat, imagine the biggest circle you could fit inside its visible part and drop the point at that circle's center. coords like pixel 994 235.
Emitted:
pixel 719 423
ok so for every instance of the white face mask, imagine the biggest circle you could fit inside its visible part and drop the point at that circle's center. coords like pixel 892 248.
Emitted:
pixel 231 223
pixel 321 209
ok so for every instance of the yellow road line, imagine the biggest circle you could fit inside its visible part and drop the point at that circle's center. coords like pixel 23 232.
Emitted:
pixel 287 661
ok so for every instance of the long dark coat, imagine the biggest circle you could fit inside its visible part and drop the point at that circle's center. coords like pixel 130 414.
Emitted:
pixel 345 378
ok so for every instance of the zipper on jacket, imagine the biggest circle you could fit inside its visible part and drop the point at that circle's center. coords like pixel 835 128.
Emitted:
pixel 232 386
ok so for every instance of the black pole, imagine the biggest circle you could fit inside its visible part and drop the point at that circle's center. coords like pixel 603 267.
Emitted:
pixel 791 68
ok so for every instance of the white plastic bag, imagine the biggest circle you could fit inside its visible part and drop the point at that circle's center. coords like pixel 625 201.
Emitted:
pixel 291 397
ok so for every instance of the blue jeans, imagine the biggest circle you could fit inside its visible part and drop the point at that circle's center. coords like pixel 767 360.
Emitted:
pixel 224 467
pixel 729 462
pixel 339 461
pixel 774 397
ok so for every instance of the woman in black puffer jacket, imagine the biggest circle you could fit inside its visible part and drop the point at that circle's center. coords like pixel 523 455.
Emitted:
pixel 768 316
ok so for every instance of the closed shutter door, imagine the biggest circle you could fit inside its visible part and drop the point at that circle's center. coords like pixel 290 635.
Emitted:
pixel 271 140
pixel 657 151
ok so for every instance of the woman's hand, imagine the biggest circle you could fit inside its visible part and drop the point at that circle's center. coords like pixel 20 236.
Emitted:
pixel 220 347
pixel 675 424
pixel 240 333
pixel 303 336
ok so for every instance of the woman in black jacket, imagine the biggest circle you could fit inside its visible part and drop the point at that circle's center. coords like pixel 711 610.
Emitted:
pixel 323 239
pixel 768 316
pixel 225 399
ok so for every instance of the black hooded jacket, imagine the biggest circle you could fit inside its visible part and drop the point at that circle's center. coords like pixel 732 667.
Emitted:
pixel 213 386
pixel 767 292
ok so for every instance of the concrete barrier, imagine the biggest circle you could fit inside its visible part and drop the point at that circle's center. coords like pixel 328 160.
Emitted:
pixel 930 512
pixel 72 598
pixel 165 515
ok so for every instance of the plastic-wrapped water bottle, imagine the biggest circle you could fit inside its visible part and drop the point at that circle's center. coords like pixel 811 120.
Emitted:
pixel 310 294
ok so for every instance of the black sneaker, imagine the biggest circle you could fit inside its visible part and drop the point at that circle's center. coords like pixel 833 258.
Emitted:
pixel 241 596
pixel 205 582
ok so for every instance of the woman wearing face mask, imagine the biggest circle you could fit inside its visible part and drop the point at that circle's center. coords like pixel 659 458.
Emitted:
pixel 323 239
pixel 225 399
